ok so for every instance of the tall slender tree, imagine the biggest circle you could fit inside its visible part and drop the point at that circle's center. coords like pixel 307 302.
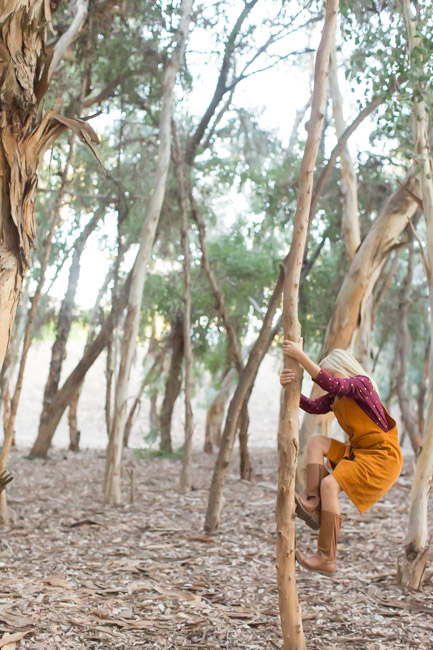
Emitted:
pixel 412 566
pixel 288 442
pixel 112 485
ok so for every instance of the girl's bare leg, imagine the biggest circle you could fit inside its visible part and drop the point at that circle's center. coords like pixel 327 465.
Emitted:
pixel 317 447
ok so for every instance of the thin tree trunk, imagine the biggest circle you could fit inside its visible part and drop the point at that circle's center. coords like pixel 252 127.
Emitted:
pixel 74 433
pixel 172 386
pixel 350 224
pixel 64 322
pixel 288 442
pixel 179 168
pixel 403 345
pixel 215 412
pixel 11 357
pixel 218 295
pixel 417 544
pixel 109 372
pixel 222 87
pixel 153 411
pixel 246 380
pixel 112 486
pixel 73 382
pixel 423 388
pixel 245 467
pixel 154 369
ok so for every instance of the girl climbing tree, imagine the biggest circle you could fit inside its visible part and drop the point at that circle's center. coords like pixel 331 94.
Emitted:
pixel 365 469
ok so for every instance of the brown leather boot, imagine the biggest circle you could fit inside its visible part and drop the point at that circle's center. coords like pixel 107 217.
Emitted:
pixel 324 560
pixel 309 509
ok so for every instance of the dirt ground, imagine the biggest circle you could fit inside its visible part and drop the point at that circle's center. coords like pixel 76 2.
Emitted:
pixel 77 574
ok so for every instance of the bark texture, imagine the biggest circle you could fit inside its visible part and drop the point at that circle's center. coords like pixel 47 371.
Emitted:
pixel 25 134
pixel 13 407
pixel 172 386
pixel 180 171
pixel 288 442
pixel 112 485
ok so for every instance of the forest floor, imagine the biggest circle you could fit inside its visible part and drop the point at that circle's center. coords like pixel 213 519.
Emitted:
pixel 78 574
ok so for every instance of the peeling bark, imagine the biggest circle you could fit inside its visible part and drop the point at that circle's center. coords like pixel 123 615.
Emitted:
pixel 13 407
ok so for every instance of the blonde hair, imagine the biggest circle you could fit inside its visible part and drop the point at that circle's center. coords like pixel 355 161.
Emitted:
pixel 342 361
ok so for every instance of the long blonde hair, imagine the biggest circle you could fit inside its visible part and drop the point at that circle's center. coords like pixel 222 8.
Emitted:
pixel 342 361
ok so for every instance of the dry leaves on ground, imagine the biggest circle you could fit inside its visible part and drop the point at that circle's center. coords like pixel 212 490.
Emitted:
pixel 77 574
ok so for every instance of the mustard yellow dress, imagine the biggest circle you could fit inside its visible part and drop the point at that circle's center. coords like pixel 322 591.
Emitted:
pixel 370 463
pixel 368 466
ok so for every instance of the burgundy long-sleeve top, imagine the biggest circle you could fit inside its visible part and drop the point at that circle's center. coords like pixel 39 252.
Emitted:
pixel 359 388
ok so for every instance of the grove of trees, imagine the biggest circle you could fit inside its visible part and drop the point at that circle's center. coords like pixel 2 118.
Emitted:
pixel 217 160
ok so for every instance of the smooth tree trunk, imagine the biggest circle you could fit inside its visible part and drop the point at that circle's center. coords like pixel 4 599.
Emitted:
pixel 403 389
pixel 288 442
pixel 180 170
pixel 112 485
pixel 172 386
pixel 422 388
pixel 350 223
pixel 417 543
pixel 109 374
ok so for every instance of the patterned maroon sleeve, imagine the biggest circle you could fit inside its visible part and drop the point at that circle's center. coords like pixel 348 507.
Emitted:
pixel 317 406
pixel 348 387
pixel 360 389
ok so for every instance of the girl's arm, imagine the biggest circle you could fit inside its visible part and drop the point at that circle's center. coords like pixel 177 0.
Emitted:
pixel 295 351
pixel 315 406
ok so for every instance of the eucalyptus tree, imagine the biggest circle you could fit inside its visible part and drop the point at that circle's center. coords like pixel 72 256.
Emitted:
pixel 27 131
pixel 420 47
